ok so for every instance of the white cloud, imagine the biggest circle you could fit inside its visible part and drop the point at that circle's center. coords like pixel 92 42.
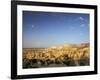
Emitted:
pixel 81 18
pixel 82 25
pixel 81 34
pixel 33 26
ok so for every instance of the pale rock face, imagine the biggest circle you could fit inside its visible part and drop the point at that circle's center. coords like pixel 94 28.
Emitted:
pixel 71 51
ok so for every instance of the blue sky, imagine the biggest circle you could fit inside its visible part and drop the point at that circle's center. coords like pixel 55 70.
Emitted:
pixel 46 29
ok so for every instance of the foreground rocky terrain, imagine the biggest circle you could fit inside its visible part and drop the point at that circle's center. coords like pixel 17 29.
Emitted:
pixel 57 56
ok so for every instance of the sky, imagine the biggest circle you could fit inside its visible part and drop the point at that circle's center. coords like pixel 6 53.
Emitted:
pixel 47 29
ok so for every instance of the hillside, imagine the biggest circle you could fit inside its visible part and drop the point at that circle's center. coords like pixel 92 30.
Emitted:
pixel 64 55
